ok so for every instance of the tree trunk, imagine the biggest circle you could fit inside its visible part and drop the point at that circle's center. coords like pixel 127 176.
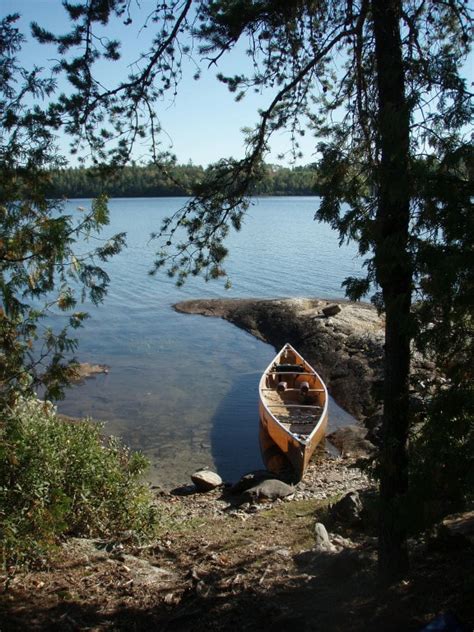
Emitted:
pixel 394 275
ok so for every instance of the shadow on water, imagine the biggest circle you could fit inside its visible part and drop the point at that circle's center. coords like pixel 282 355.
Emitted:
pixel 234 436
pixel 235 441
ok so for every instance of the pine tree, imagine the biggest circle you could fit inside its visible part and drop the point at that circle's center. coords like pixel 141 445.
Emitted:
pixel 39 270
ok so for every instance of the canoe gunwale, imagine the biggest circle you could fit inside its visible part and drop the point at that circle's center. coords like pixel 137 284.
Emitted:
pixel 322 417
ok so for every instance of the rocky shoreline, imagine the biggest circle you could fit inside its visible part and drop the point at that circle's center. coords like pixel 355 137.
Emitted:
pixel 346 348
pixel 344 341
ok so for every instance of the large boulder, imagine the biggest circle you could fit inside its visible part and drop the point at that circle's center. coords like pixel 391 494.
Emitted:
pixel 331 310
pixel 457 530
pixel 352 441
pixel 270 489
pixel 348 510
pixel 250 480
pixel 205 480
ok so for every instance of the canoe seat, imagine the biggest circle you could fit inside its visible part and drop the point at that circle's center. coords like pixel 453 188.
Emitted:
pixel 288 368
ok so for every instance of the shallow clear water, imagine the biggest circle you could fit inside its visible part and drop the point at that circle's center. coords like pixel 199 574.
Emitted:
pixel 183 388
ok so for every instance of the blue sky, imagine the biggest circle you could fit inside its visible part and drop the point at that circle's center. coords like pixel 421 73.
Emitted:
pixel 204 122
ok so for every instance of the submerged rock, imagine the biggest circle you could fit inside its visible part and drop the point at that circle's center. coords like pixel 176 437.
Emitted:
pixel 205 480
pixel 85 370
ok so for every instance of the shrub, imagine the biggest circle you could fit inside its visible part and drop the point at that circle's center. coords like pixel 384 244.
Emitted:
pixel 442 458
pixel 63 478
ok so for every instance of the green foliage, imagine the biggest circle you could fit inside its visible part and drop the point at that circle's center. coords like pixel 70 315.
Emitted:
pixel 63 478
pixel 174 180
pixel 39 269
pixel 442 458
pixel 444 245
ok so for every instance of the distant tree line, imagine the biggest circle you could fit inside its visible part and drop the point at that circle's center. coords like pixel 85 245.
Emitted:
pixel 177 180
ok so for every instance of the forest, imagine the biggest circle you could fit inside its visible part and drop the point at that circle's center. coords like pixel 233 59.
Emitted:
pixel 175 180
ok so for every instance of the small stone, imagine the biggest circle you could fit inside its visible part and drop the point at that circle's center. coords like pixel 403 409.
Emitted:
pixel 344 543
pixel 320 534
pixel 322 542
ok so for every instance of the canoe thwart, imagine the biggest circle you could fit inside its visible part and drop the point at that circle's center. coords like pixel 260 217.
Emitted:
pixel 311 390
pixel 283 405
pixel 288 368
pixel 289 373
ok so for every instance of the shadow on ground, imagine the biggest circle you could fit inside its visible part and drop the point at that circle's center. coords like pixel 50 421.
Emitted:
pixel 270 591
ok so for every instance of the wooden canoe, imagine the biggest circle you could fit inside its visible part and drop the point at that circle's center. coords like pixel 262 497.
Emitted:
pixel 293 411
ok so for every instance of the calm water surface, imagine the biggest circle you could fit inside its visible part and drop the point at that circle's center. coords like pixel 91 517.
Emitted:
pixel 181 388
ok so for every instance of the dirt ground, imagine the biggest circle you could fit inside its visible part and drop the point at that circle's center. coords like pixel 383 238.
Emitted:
pixel 221 565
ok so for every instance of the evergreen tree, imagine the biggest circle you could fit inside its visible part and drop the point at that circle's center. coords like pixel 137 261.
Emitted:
pixel 378 83
pixel 148 181
pixel 39 270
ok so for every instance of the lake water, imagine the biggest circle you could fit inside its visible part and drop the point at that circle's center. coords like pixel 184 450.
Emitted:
pixel 183 388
